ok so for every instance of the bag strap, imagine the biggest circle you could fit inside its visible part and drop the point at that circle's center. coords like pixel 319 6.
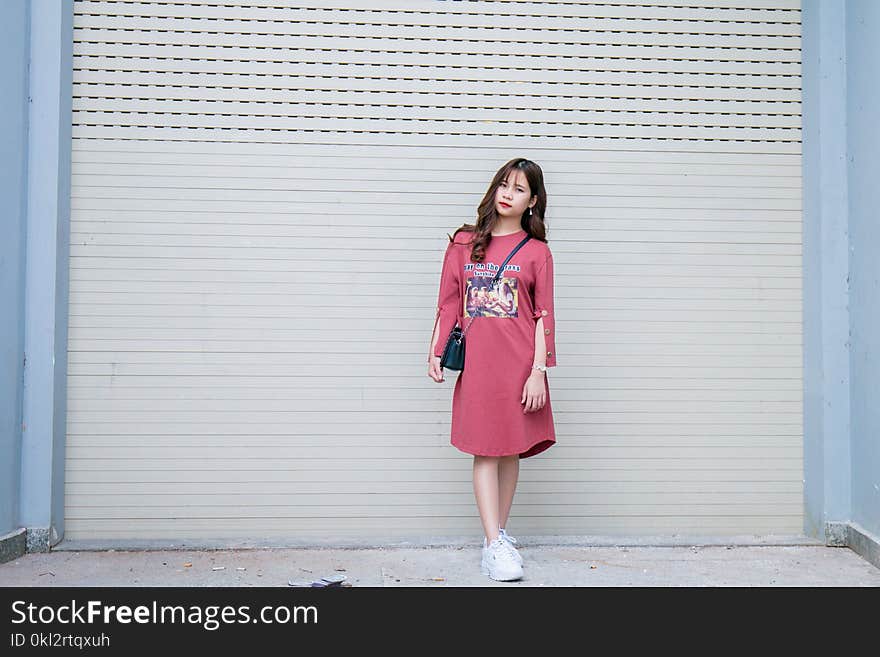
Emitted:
pixel 500 272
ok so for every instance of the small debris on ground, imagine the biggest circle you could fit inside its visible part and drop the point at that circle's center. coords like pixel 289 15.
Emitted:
pixel 329 580
pixel 219 568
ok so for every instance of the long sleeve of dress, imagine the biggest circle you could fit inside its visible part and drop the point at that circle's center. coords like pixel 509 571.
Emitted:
pixel 544 307
pixel 449 302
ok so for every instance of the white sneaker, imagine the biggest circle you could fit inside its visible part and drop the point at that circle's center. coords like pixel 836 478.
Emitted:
pixel 510 541
pixel 498 561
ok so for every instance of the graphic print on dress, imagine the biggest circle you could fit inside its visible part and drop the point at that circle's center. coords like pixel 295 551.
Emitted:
pixel 483 299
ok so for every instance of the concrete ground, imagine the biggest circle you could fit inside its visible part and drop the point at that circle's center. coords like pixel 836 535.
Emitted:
pixel 548 561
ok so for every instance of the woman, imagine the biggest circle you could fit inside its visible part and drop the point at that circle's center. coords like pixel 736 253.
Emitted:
pixel 501 409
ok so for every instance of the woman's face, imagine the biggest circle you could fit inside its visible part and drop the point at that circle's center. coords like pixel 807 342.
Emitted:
pixel 513 195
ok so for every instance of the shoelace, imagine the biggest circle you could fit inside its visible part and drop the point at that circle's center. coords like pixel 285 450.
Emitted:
pixel 509 540
pixel 508 548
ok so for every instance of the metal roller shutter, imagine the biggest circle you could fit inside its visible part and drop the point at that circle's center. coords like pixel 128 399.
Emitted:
pixel 261 192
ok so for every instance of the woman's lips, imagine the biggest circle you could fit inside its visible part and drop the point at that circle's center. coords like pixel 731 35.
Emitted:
pixel 506 205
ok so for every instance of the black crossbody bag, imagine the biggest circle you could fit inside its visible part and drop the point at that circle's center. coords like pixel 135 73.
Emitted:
pixel 453 353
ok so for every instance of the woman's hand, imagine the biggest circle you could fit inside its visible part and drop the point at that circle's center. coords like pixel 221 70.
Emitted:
pixel 534 393
pixel 434 369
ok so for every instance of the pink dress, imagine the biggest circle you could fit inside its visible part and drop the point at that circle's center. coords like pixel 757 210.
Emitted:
pixel 487 414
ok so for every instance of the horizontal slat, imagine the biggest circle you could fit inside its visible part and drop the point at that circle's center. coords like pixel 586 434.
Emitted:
pixel 571 252
pixel 354 399
pixel 114 281
pixel 93 263
pixel 380 530
pixel 614 127
pixel 784 338
pixel 593 53
pixel 356 450
pixel 117 169
pixel 297 210
pixel 268 296
pixel 293 299
pixel 98 352
pixel 565 478
pixel 380 426
pixel 418 463
pixel 722 9
pixel 649 198
pixel 322 505
pixel 635 266
pixel 101 389
pixel 146 17
pixel 588 319
pixel 128 70
pixel 448 158
pixel 429 249
pixel 619 91
pixel 600 447
pixel 449 485
pixel 236 200
pixel 260 179
pixel 366 224
pixel 373 365
pixel 702 144
pixel 86 341
pixel 735 310
pixel 429 242
pixel 389 40
pixel 273 245
pixel 352 353
pixel 124 506
pixel 403 113
pixel 588 387
pixel 200 56
pixel 123 97
pixel 766 11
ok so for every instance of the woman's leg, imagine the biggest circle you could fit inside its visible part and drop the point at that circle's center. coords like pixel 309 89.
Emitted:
pixel 486 492
pixel 508 473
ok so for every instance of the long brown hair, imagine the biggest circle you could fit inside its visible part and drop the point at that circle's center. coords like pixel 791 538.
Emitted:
pixel 487 217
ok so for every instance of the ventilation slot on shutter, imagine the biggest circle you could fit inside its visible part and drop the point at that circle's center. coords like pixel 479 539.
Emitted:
pixel 559 72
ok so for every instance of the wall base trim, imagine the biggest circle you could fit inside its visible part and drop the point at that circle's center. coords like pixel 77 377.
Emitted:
pixel 13 545
pixel 856 538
